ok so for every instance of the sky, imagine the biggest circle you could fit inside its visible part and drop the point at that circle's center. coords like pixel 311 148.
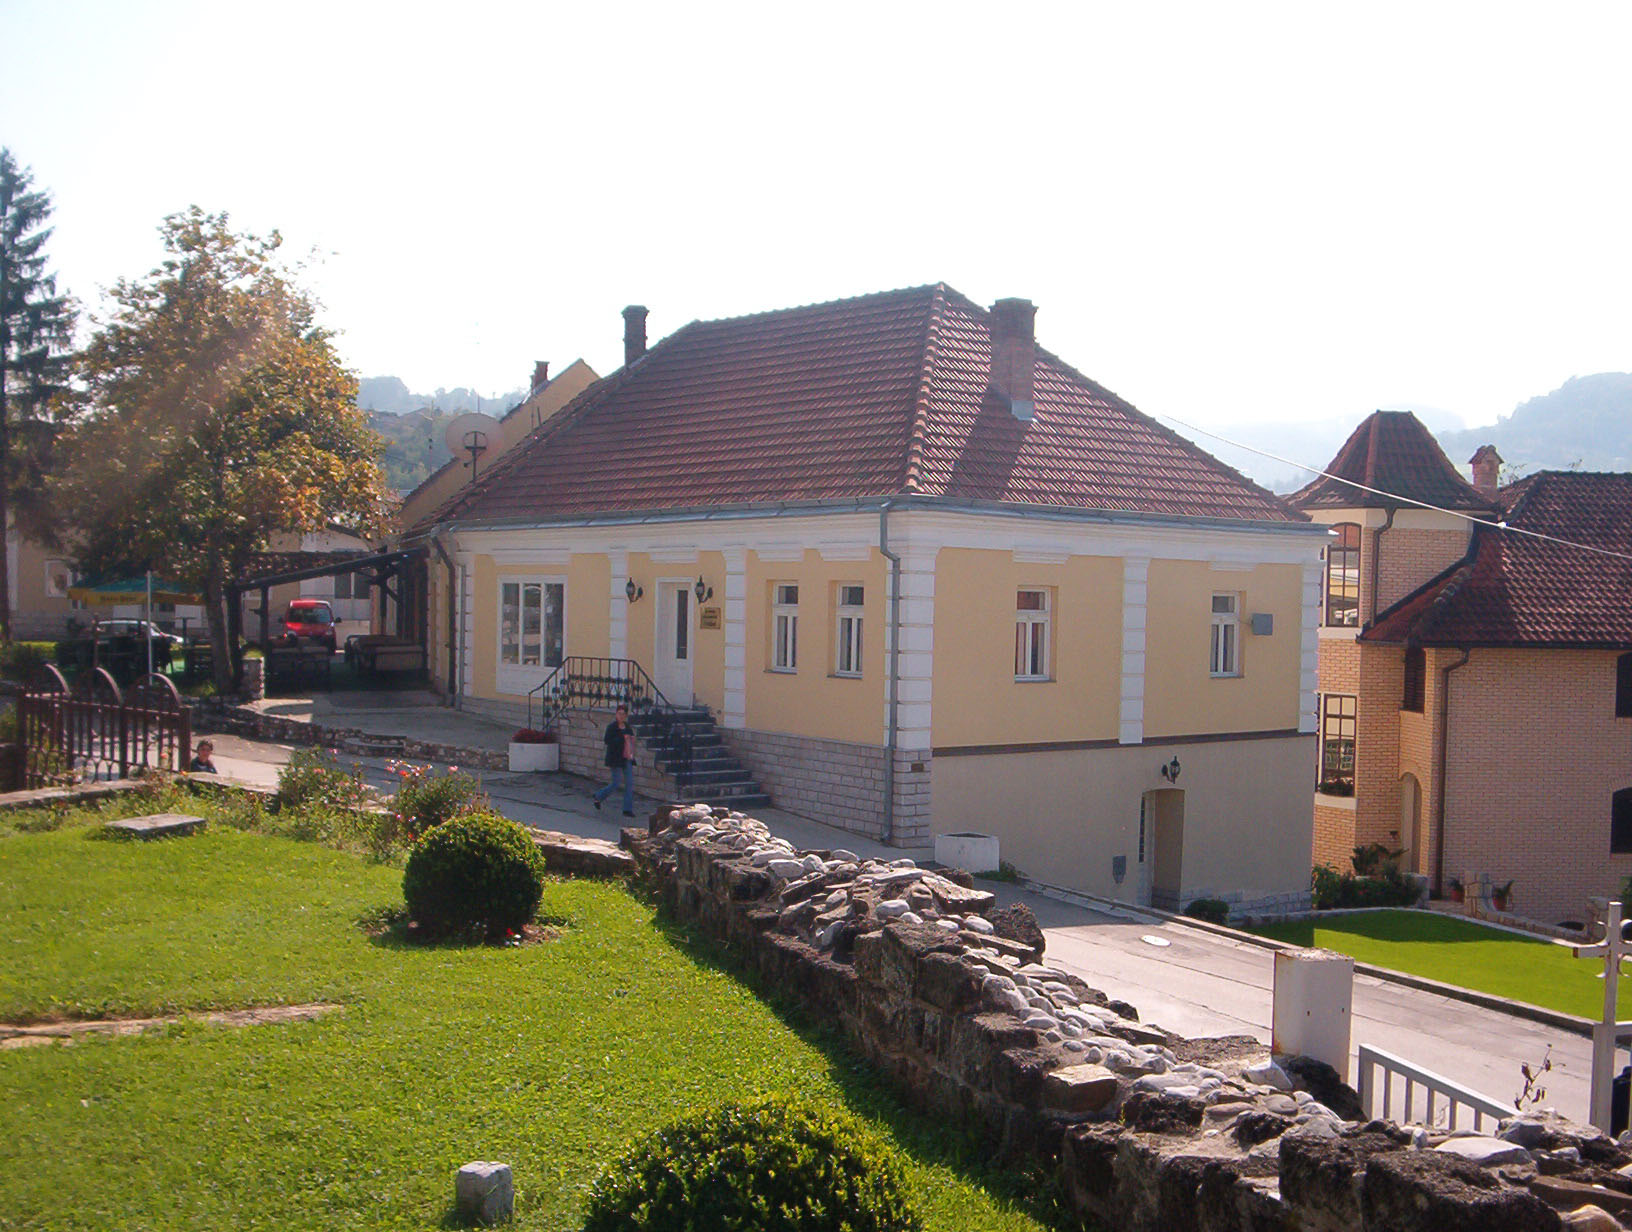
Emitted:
pixel 1229 214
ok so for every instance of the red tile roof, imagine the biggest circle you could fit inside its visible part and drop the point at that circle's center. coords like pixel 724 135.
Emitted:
pixel 1517 590
pixel 876 396
pixel 1392 452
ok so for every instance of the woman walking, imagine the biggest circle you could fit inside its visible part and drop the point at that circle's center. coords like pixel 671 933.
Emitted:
pixel 619 738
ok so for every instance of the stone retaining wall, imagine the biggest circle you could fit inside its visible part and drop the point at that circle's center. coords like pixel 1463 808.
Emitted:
pixel 243 721
pixel 950 999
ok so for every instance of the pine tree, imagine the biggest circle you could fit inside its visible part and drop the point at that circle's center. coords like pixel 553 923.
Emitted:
pixel 36 327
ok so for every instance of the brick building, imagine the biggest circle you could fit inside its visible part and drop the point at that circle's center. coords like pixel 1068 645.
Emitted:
pixel 1475 703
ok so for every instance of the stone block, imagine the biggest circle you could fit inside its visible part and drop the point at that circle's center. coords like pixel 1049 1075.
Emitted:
pixel 156 825
pixel 1079 1089
pixel 485 1192
pixel 1425 1191
pixel 1487 1152
pixel 1157 1112
pixel 949 982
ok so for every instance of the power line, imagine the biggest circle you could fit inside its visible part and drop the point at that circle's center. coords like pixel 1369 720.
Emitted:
pixel 1409 500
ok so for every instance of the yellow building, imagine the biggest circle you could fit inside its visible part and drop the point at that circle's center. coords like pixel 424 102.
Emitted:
pixel 925 578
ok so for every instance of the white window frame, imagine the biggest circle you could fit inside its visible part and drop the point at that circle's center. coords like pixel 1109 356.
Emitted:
pixel 53 567
pixel 1224 637
pixel 518 677
pixel 784 649
pixel 1030 625
pixel 847 630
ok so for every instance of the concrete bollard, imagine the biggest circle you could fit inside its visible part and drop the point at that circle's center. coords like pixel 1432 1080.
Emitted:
pixel 1314 992
pixel 485 1191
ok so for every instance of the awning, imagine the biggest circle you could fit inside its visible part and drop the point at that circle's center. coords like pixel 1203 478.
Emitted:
pixel 110 590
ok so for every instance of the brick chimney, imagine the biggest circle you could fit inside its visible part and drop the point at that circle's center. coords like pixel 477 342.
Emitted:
pixel 1014 353
pixel 1487 468
pixel 541 374
pixel 634 333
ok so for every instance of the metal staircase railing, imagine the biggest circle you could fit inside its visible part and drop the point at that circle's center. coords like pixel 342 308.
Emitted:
pixel 583 682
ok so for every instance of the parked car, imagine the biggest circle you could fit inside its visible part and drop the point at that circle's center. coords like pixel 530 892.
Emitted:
pixel 122 627
pixel 309 620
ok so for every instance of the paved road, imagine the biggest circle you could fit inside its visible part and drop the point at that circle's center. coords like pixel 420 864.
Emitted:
pixel 1199 984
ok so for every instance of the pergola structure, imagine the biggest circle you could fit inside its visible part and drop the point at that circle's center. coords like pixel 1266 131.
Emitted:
pixel 398 577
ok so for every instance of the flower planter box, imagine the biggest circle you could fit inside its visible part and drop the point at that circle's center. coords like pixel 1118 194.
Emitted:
pixel 529 757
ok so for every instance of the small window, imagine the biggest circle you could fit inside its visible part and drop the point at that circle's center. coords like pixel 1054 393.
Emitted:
pixel 1416 679
pixel 1031 619
pixel 847 660
pixel 1623 687
pixel 1343 576
pixel 785 627
pixel 1225 656
pixel 1620 822
pixel 1337 725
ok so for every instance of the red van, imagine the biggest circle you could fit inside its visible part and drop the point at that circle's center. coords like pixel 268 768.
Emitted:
pixel 310 620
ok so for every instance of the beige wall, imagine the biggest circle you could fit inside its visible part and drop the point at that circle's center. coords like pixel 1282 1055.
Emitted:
pixel 1535 754
pixel 977 699
pixel 1181 698
pixel 813 701
pixel 513 428
pixel 707 645
pixel 34 614
pixel 584 631
pixel 1062 816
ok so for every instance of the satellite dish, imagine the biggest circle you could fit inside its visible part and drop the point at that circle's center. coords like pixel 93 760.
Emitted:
pixel 469 431
pixel 471 434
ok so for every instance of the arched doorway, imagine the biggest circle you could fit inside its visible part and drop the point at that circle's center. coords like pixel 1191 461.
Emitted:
pixel 1412 838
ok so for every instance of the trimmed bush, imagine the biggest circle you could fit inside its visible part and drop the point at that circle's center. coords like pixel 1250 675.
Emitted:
pixel 772 1166
pixel 477 872
pixel 20 660
pixel 1213 910
pixel 1334 890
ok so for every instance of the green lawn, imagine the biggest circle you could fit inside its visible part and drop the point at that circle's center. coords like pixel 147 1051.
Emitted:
pixel 550 1057
pixel 1461 952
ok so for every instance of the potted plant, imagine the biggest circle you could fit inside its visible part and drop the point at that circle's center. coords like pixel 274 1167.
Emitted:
pixel 535 750
pixel 1456 889
pixel 1500 894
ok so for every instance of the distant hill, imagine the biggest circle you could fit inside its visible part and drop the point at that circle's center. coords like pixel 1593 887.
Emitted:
pixel 1586 424
pixel 413 424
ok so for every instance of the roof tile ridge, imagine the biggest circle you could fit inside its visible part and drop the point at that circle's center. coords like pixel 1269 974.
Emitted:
pixel 917 428
pixel 842 302
pixel 1370 472
pixel 1218 464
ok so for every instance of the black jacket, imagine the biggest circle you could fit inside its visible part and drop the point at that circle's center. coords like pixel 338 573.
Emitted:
pixel 614 739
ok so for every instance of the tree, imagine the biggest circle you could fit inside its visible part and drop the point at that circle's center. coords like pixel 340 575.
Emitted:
pixel 36 327
pixel 216 415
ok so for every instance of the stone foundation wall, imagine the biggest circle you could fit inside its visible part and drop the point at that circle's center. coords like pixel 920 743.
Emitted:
pixel 950 999
pixel 839 783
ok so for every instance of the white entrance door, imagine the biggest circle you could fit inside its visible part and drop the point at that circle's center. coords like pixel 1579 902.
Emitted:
pixel 672 641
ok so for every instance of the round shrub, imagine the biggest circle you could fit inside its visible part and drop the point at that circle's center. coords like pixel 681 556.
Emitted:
pixel 771 1166
pixel 478 871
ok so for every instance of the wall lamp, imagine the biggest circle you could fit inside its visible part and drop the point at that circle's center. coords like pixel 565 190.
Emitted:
pixel 1170 771
pixel 703 590
pixel 632 592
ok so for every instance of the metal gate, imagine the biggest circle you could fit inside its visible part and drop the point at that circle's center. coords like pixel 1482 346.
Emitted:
pixel 97 731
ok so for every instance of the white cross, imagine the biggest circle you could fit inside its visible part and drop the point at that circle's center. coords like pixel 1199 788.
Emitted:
pixel 1614 950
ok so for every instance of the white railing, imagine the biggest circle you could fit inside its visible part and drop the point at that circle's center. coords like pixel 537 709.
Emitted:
pixel 1377 1099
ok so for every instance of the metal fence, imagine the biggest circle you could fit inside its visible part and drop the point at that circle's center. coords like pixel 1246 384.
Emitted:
pixel 95 730
pixel 1418 1088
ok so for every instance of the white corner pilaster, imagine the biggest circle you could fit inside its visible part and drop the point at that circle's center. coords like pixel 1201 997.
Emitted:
pixel 916 666
pixel 617 605
pixel 735 713
pixel 1135 612
pixel 1309 658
